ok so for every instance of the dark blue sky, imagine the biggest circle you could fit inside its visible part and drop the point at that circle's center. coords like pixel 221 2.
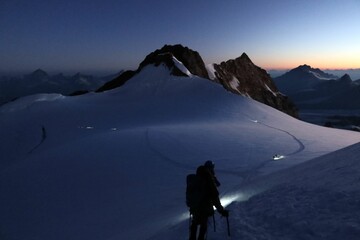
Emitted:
pixel 96 35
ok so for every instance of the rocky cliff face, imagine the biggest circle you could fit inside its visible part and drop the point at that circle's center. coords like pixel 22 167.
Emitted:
pixel 242 76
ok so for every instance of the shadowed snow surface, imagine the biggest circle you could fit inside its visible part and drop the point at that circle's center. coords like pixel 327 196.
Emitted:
pixel 113 165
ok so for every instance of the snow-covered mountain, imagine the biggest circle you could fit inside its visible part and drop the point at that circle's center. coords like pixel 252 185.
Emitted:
pixel 112 165
pixel 321 99
pixel 302 78
pixel 240 76
pixel 311 88
pixel 341 93
pixel 41 82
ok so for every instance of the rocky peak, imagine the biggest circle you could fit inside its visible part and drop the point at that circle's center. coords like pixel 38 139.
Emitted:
pixel 304 67
pixel 250 77
pixel 191 59
pixel 244 57
pixel 242 76
pixel 306 70
pixel 346 79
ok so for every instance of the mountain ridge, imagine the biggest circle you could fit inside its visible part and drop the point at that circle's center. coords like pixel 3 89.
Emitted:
pixel 39 81
pixel 303 77
pixel 240 76
pixel 323 91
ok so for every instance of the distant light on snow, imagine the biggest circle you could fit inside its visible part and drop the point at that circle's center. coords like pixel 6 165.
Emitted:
pixel 86 127
pixel 113 129
pixel 278 157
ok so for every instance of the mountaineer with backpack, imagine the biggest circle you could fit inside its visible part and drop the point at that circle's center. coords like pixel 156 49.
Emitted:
pixel 201 196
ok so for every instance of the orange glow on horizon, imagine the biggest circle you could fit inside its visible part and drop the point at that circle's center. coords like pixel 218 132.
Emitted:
pixel 330 64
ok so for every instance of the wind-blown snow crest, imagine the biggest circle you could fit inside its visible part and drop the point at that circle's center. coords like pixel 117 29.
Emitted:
pixel 211 71
pixel 26 102
pixel 269 89
pixel 234 83
pixel 81 167
pixel 317 75
pixel 181 66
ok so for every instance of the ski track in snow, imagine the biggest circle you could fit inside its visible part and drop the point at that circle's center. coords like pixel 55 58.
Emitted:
pixel 43 137
pixel 245 174
pixel 249 175
pixel 163 156
pixel 301 145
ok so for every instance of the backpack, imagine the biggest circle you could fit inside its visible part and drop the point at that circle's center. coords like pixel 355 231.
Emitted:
pixel 194 191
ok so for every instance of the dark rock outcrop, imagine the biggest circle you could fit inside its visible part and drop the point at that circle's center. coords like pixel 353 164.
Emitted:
pixel 118 81
pixel 191 59
pixel 242 76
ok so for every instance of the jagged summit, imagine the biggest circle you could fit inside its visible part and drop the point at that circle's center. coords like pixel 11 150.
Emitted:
pixel 175 57
pixel 316 72
pixel 304 67
pixel 242 76
pixel 346 78
pixel 245 57
pixel 189 58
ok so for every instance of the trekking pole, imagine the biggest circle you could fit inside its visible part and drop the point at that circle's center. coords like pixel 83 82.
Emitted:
pixel 214 223
pixel 228 225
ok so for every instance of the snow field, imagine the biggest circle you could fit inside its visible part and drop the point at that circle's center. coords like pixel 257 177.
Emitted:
pixel 113 165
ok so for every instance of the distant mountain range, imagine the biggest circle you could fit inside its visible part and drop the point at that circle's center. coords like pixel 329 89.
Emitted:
pixel 41 82
pixel 312 88
pixel 323 98
pixel 354 73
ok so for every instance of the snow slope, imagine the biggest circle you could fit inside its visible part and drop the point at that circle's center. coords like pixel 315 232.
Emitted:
pixel 112 165
pixel 314 200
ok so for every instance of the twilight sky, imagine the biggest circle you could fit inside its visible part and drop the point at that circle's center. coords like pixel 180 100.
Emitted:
pixel 110 35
